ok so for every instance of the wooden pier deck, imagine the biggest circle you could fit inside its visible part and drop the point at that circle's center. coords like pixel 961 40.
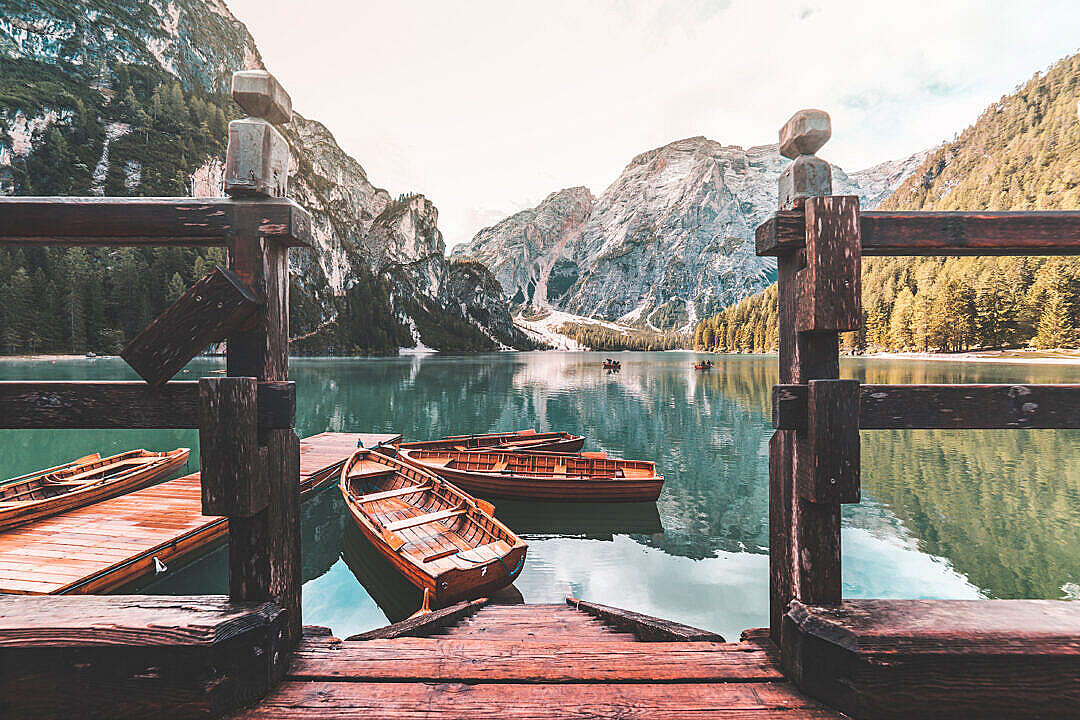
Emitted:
pixel 525 662
pixel 111 544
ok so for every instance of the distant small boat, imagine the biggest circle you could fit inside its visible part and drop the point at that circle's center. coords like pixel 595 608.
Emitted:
pixel 588 477
pixel 82 482
pixel 442 540
pixel 562 442
pixel 707 365
pixel 612 365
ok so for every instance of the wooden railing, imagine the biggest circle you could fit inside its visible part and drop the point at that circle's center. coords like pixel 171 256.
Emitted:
pixel 249 452
pixel 814 455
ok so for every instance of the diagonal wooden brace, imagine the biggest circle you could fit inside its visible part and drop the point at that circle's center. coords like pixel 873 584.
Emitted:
pixel 207 313
pixel 827 462
pixel 830 286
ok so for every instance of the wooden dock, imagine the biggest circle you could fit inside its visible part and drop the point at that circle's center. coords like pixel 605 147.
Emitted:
pixel 525 662
pixel 111 544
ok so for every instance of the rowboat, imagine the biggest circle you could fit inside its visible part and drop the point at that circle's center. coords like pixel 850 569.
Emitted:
pixel 83 482
pixel 588 477
pixel 442 540
pixel 707 365
pixel 519 440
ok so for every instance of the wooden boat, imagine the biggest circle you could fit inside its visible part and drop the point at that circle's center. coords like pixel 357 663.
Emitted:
pixel 588 477
pixel 703 366
pixel 83 482
pixel 612 365
pixel 562 442
pixel 442 540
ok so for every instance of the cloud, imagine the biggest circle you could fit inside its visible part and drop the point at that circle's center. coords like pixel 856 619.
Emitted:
pixel 482 104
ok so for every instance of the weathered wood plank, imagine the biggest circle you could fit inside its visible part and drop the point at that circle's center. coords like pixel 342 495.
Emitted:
pixel 424 625
pixel 233 478
pixel 1055 232
pixel 644 627
pixel 829 287
pixel 454 659
pixel 829 460
pixel 212 308
pixel 148 221
pixel 945 407
pixel 135 656
pixel 508 701
pixel 71 404
pixel 938 658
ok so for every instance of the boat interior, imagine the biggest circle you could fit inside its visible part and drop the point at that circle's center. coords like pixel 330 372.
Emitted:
pixel 433 523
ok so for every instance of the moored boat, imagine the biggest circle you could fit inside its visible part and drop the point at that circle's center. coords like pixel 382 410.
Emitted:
pixel 562 442
pixel 588 477
pixel 83 482
pixel 442 540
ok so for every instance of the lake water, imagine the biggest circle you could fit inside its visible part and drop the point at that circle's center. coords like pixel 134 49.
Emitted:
pixel 944 514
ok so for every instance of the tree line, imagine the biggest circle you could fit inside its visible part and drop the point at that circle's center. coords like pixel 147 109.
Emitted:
pixel 599 337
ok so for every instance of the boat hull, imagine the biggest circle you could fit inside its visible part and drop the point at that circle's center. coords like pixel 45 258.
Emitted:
pixel 515 487
pixel 560 442
pixel 24 512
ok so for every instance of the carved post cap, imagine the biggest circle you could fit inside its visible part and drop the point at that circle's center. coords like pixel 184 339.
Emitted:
pixel 261 95
pixel 805 133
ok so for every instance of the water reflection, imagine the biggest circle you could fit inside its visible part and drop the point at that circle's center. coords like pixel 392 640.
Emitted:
pixel 945 514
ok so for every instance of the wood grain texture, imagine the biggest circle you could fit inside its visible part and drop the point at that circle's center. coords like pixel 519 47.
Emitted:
pixel 213 307
pixel 829 461
pixel 550 701
pixel 70 404
pixel 135 656
pixel 938 658
pixel 644 627
pixel 148 221
pixel 1055 232
pixel 480 660
pixel 233 478
pixel 829 287
pixel 423 625
pixel 946 407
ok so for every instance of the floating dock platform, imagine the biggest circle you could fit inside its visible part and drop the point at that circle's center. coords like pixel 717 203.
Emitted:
pixel 111 544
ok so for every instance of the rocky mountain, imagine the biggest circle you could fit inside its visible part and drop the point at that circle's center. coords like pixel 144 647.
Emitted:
pixel 121 97
pixel 670 241
pixel 1022 153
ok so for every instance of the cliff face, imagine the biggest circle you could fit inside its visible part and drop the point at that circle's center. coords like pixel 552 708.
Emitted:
pixel 131 98
pixel 668 242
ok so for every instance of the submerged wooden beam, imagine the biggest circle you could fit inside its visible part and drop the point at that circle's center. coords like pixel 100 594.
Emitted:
pixel 945 407
pixel 645 627
pixel 207 313
pixel 1053 232
pixel 113 405
pixel 180 222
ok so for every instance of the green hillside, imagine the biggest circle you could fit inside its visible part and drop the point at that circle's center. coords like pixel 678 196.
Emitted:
pixel 1023 153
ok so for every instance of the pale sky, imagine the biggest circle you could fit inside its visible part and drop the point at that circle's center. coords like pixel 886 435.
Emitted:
pixel 486 106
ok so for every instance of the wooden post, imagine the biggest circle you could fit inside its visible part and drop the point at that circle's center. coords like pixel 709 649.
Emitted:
pixel 804 534
pixel 232 479
pixel 264 548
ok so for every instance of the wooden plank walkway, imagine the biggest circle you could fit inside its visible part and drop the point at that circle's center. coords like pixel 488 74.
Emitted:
pixel 520 662
pixel 108 545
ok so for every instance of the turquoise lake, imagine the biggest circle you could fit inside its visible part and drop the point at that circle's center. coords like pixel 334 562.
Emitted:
pixel 944 514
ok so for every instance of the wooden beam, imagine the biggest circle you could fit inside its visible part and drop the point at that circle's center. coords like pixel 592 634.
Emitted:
pixel 937 658
pixel 113 405
pixel 213 307
pixel 136 656
pixel 424 625
pixel 945 407
pixel 205 222
pixel 829 287
pixel 645 627
pixel 828 466
pixel 1052 232
pixel 233 479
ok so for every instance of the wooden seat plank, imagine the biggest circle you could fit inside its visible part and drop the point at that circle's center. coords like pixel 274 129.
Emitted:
pixel 425 519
